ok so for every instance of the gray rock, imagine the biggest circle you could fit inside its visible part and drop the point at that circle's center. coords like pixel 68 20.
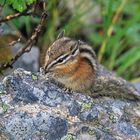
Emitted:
pixel 33 108
pixel 28 61
pixel 5 29
pixel 137 85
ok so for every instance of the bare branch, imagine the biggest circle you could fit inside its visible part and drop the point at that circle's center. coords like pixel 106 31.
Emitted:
pixel 15 42
pixel 10 17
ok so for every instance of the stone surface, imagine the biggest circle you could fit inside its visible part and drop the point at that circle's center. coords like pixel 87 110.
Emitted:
pixel 28 61
pixel 137 85
pixel 36 109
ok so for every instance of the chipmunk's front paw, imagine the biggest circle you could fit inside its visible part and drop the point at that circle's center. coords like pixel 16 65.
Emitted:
pixel 68 90
pixel 42 71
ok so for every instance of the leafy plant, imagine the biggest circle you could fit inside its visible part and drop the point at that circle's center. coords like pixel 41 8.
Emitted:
pixel 19 5
pixel 120 50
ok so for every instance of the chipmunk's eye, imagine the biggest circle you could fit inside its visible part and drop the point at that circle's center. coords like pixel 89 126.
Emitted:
pixel 60 60
pixel 73 52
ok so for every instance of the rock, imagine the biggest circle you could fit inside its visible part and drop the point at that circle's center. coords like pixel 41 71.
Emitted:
pixel 28 61
pixel 5 29
pixel 137 85
pixel 36 109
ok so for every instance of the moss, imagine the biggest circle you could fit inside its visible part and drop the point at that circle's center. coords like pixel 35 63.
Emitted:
pixel 34 77
pixel 136 121
pixel 86 106
pixel 91 132
pixel 112 118
pixel 1 93
pixel 5 107
pixel 68 137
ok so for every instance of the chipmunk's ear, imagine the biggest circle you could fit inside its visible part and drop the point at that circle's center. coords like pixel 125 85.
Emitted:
pixel 61 34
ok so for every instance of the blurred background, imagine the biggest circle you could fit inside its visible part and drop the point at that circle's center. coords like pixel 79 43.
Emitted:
pixel 111 27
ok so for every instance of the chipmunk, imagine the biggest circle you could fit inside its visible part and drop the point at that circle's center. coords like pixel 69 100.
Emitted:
pixel 73 64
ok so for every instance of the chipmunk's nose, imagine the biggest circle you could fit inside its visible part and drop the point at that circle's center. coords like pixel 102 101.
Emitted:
pixel 44 70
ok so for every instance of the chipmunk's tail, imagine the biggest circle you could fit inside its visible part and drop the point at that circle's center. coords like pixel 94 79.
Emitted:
pixel 114 87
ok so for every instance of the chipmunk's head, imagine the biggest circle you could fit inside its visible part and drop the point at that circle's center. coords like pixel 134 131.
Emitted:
pixel 61 54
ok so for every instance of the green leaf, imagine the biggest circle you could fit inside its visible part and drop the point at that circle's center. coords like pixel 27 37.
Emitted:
pixel 95 38
pixel 128 59
pixel 9 2
pixel 115 47
pixel 29 2
pixel 2 2
pixel 19 5
pixel 108 16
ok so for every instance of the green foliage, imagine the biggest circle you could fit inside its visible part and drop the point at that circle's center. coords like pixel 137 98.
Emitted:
pixel 121 50
pixel 19 5
pixel 128 59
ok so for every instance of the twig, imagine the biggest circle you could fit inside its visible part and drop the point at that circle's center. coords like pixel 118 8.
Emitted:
pixel 28 45
pixel 15 42
pixel 10 17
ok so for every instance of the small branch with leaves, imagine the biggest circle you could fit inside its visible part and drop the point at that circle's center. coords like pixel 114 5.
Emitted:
pixel 24 9
pixel 28 45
